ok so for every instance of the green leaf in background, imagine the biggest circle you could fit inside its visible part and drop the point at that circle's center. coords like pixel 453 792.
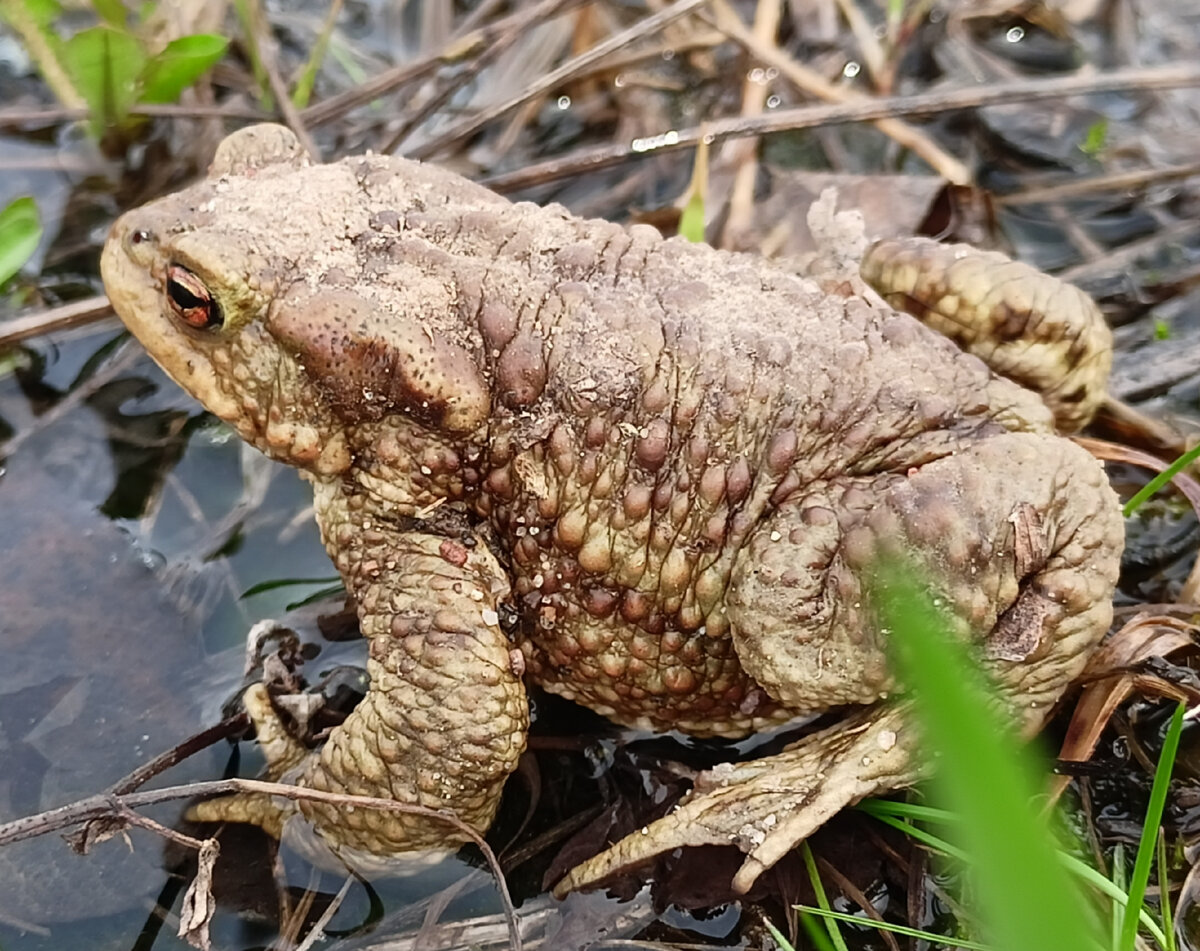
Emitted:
pixel 1096 137
pixel 1025 900
pixel 42 12
pixel 104 65
pixel 180 64
pixel 20 232
pixel 112 12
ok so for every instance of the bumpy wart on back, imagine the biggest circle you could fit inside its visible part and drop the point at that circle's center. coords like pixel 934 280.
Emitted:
pixel 646 475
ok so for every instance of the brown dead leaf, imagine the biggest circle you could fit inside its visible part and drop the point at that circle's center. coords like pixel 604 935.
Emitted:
pixel 97 831
pixel 1144 637
pixel 198 902
pixel 1114 452
pixel 890 205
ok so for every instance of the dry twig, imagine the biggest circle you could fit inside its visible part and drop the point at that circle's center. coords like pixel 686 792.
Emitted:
pixel 806 117
pixel 111 805
pixel 810 81
pixel 555 77
pixel 75 314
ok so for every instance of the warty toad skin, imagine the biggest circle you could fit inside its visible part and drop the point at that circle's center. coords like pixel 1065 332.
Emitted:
pixel 646 475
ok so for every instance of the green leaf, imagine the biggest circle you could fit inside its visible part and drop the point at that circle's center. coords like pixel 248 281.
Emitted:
pixel 1026 901
pixel 1154 812
pixel 1162 330
pixel 42 12
pixel 1095 138
pixel 104 65
pixel 180 64
pixel 20 232
pixel 112 12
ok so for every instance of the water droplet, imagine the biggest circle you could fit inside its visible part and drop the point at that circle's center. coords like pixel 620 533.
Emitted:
pixel 619 80
pixel 564 102
pixel 851 69
pixel 1015 34
pixel 757 75
pixel 773 102
pixel 668 55
pixel 772 73
pixel 655 141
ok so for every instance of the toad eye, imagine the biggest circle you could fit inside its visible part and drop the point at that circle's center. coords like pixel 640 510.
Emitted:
pixel 190 301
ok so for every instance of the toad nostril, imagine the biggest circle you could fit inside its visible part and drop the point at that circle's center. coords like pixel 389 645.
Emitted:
pixel 139 236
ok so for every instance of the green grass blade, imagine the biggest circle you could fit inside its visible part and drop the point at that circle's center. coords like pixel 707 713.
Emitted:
pixel 691 222
pixel 894 928
pixel 816 934
pixel 1164 893
pixel 1160 480
pixel 926 838
pixel 250 16
pixel 276 583
pixel 784 944
pixel 836 941
pixel 883 811
pixel 1085 873
pixel 20 232
pixel 1154 811
pixel 1026 900
pixel 302 92
pixel 908 810
pixel 1118 880
pixel 33 22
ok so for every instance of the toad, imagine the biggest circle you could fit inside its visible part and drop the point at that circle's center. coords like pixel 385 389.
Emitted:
pixel 646 475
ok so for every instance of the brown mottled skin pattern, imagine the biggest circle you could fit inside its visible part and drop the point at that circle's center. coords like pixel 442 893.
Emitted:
pixel 670 467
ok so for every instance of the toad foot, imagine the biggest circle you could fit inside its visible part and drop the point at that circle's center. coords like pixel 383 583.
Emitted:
pixel 768 806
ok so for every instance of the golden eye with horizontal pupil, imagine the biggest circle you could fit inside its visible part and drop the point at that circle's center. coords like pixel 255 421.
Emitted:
pixel 190 300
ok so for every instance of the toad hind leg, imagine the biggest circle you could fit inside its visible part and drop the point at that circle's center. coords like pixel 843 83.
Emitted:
pixel 1020 536
pixel 765 807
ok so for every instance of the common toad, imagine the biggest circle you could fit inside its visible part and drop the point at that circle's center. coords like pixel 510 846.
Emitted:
pixel 647 475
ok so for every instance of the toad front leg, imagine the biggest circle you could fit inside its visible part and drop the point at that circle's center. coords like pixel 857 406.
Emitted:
pixel 445 718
